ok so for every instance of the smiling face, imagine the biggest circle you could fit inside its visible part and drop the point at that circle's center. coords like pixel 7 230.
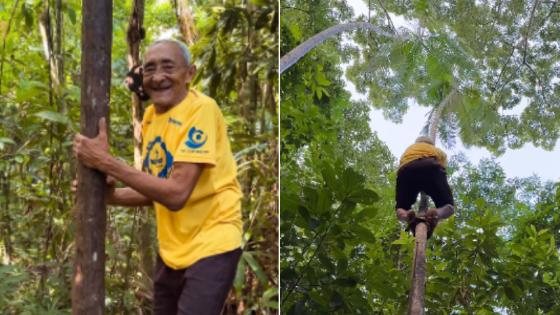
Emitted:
pixel 166 75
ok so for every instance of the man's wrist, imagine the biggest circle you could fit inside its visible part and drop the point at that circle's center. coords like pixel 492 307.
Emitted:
pixel 106 164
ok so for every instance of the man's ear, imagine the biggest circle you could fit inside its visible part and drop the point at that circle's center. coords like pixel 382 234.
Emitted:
pixel 191 72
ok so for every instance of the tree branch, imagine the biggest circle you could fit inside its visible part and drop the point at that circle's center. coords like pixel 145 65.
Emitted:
pixel 528 31
pixel 295 54
pixel 388 17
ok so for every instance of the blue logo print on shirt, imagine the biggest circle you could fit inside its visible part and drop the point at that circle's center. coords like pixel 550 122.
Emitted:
pixel 158 160
pixel 197 138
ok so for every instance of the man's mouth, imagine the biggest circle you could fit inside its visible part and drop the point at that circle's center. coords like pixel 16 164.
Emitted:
pixel 161 88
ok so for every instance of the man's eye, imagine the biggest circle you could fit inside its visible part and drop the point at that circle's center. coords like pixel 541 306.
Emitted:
pixel 168 67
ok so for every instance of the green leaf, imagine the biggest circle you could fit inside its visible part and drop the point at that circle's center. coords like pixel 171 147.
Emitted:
pixel 364 196
pixel 347 207
pixel 400 241
pixel 239 280
pixel 327 171
pixel 28 16
pixel 270 293
pixel 324 202
pixel 321 79
pixel 71 14
pixel 53 117
pixel 509 293
pixel 30 89
pixel 4 140
pixel 255 266
pixel 364 233
pixel 368 212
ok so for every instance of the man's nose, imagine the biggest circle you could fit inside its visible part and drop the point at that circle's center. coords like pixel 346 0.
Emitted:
pixel 158 77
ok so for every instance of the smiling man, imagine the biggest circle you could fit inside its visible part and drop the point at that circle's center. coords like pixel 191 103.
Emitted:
pixel 189 176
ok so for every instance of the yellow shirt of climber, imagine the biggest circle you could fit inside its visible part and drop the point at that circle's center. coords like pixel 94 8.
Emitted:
pixel 194 131
pixel 422 150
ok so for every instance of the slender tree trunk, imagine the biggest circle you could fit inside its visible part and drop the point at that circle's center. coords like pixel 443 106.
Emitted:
pixel 185 21
pixel 134 38
pixel 135 35
pixel 293 56
pixel 88 292
pixel 7 220
pixel 416 297
pixel 4 38
pixel 436 115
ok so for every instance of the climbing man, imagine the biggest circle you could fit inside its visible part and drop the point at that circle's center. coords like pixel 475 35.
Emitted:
pixel 422 168
pixel 189 176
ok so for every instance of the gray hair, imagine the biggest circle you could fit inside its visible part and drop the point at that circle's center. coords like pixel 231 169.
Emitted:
pixel 424 139
pixel 186 53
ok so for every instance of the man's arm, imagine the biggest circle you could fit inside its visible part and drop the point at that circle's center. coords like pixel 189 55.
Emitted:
pixel 128 197
pixel 172 192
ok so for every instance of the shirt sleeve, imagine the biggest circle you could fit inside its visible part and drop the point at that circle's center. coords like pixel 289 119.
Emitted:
pixel 442 157
pixel 198 141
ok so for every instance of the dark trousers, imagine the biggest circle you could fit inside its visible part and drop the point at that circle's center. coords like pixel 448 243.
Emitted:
pixel 425 175
pixel 200 289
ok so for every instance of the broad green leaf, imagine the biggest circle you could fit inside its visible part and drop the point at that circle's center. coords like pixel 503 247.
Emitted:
pixel 53 117
pixel 255 266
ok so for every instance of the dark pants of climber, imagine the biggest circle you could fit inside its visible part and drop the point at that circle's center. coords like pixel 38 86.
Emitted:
pixel 425 175
pixel 200 289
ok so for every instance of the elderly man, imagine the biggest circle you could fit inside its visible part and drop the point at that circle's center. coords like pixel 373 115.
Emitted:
pixel 190 177
pixel 422 168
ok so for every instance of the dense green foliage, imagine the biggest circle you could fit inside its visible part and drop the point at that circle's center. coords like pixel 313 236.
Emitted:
pixel 497 55
pixel 236 54
pixel 342 249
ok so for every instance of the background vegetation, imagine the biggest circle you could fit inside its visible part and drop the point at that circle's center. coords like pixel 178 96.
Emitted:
pixel 343 251
pixel 234 44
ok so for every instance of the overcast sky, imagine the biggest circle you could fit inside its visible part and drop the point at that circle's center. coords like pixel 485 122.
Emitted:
pixel 523 162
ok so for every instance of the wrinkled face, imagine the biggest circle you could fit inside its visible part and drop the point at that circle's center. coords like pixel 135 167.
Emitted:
pixel 166 75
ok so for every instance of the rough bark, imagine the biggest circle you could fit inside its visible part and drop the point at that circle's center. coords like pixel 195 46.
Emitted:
pixel 295 54
pixel 416 296
pixel 88 292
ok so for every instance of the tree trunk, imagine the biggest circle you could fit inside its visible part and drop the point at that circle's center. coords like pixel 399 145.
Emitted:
pixel 436 115
pixel 135 34
pixel 185 21
pixel 416 296
pixel 293 56
pixel 88 292
pixel 4 38
pixel 134 37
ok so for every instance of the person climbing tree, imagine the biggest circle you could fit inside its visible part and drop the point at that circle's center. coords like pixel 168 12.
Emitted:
pixel 190 177
pixel 422 168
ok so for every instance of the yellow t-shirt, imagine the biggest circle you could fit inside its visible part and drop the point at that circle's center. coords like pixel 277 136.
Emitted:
pixel 422 150
pixel 194 131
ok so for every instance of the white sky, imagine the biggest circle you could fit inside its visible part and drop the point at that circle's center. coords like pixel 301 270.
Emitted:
pixel 523 162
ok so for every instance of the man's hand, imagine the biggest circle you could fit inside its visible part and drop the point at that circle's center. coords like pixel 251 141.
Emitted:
pixel 109 191
pixel 432 217
pixel 405 216
pixel 92 151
